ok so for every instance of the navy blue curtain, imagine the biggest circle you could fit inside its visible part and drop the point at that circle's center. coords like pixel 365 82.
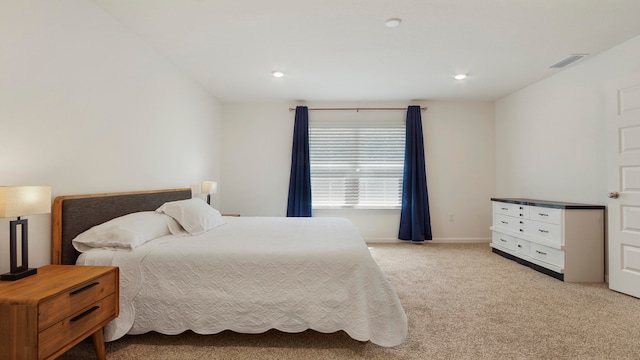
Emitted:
pixel 299 204
pixel 415 220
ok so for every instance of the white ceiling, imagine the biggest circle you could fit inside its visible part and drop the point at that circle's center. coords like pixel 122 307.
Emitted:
pixel 340 50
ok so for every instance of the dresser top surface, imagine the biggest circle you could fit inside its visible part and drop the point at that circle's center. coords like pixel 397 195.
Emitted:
pixel 549 204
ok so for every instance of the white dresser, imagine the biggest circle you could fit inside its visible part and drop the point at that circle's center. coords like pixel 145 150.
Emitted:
pixel 563 240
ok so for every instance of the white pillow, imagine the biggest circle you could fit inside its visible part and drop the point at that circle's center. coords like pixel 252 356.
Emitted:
pixel 126 232
pixel 195 215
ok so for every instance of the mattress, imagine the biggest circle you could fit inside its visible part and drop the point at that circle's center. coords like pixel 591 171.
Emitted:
pixel 253 274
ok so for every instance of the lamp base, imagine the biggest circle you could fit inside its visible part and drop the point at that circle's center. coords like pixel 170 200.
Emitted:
pixel 18 275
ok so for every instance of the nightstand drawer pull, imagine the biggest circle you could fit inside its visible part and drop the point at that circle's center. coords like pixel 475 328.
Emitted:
pixel 76 318
pixel 85 288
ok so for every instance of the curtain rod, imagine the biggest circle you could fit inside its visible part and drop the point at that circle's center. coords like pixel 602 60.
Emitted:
pixel 359 108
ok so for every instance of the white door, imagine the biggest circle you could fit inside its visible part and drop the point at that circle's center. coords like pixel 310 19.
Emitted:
pixel 623 136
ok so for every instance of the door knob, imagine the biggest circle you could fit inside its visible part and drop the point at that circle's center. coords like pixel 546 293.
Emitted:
pixel 613 195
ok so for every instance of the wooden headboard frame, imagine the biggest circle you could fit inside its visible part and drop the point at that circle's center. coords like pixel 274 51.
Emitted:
pixel 75 214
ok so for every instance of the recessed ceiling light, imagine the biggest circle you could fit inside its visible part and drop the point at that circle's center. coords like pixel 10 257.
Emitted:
pixel 277 74
pixel 393 22
pixel 460 76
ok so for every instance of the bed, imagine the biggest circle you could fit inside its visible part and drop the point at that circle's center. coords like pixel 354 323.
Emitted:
pixel 245 274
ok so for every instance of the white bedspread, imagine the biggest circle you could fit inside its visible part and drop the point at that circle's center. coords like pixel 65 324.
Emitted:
pixel 254 274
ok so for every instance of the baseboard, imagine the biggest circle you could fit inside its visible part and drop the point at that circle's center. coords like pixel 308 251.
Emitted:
pixel 434 241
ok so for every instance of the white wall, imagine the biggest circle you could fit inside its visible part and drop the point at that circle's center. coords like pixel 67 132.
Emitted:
pixel 459 146
pixel 550 136
pixel 86 107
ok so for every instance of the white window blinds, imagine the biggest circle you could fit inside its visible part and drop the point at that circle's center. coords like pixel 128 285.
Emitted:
pixel 356 166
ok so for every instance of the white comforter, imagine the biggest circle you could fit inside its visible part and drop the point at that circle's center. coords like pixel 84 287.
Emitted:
pixel 255 274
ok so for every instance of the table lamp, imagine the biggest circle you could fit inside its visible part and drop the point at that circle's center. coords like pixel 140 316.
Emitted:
pixel 209 187
pixel 17 201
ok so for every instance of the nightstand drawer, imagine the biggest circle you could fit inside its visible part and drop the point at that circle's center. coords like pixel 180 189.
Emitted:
pixel 74 326
pixel 79 297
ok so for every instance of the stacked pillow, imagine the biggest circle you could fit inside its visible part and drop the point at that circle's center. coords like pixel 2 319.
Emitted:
pixel 191 216
pixel 195 215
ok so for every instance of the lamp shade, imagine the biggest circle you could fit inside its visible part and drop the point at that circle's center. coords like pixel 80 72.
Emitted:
pixel 209 187
pixel 24 200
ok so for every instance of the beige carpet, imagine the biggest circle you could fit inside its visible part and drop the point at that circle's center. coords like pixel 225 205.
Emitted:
pixel 462 301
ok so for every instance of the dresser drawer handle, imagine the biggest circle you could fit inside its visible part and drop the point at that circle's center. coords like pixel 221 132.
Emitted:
pixel 505 209
pixel 541 214
pixel 503 240
pixel 89 311
pixel 520 246
pixel 543 231
pixel 541 253
pixel 84 288
pixel 505 222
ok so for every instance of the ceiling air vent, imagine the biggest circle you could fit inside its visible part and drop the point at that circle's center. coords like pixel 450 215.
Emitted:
pixel 568 60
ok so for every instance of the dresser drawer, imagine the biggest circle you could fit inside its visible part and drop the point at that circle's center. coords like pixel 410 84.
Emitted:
pixel 78 323
pixel 522 247
pixel 504 240
pixel 504 209
pixel 508 209
pixel 522 211
pixel 549 232
pixel 509 223
pixel 547 254
pixel 79 297
pixel 548 215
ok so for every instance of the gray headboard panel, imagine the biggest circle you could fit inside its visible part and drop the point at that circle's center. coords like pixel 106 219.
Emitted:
pixel 75 214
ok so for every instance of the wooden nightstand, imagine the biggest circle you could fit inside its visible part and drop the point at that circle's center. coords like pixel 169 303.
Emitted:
pixel 46 314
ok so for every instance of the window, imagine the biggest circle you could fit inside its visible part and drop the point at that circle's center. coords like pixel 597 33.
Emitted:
pixel 356 166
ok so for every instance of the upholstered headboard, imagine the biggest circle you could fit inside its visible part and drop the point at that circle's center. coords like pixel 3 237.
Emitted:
pixel 75 214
